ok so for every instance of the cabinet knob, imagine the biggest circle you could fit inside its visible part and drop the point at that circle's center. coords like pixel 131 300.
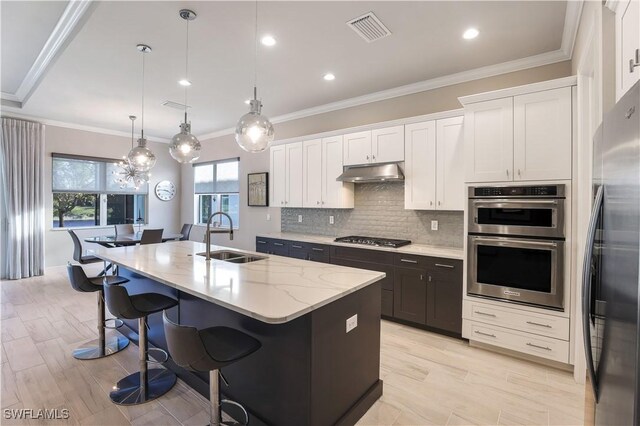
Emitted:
pixel 367 157
pixel 439 203
pixel 507 172
pixel 518 172
pixel 430 203
pixel 281 202
pixel 318 202
pixel 373 156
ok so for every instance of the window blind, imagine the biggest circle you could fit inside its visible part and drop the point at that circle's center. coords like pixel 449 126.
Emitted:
pixel 217 177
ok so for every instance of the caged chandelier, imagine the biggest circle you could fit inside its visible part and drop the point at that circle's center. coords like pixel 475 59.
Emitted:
pixel 127 174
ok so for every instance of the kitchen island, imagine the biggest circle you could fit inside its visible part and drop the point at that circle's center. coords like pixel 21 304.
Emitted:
pixel 310 369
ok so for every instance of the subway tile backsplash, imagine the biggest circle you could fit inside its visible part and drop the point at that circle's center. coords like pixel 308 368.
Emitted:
pixel 379 212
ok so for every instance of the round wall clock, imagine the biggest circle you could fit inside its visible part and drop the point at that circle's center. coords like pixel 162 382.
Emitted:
pixel 165 190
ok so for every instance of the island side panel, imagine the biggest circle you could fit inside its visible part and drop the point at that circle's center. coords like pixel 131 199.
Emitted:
pixel 346 365
pixel 273 383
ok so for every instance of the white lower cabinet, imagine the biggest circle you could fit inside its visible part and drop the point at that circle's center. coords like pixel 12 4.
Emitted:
pixel 532 333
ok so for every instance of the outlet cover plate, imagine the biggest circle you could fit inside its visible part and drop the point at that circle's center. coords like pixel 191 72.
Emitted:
pixel 352 322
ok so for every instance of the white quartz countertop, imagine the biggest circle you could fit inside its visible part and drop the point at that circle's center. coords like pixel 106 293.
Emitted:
pixel 417 249
pixel 273 290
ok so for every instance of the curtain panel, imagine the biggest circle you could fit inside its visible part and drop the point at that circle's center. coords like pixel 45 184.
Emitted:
pixel 22 182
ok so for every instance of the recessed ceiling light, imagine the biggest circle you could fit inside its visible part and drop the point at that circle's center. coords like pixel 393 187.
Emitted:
pixel 248 101
pixel 184 82
pixel 328 76
pixel 471 33
pixel 268 40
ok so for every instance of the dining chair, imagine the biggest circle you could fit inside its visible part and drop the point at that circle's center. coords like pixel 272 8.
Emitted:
pixel 78 253
pixel 186 231
pixel 151 236
pixel 125 228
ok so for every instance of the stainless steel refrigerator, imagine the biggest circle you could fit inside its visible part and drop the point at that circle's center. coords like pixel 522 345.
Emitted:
pixel 611 279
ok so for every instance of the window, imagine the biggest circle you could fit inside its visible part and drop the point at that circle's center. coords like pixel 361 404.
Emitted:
pixel 216 188
pixel 85 194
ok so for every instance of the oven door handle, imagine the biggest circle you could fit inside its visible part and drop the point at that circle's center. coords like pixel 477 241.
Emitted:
pixel 515 242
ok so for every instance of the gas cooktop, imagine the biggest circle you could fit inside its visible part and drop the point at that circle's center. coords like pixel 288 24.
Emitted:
pixel 373 241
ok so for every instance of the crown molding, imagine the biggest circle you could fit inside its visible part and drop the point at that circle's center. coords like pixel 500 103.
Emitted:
pixel 571 26
pixel 8 112
pixel 65 26
pixel 519 90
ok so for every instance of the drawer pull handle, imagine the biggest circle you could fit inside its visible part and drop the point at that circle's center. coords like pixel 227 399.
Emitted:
pixel 441 265
pixel 485 314
pixel 262 242
pixel 409 261
pixel 538 324
pixel 485 334
pixel 295 246
pixel 546 348
pixel 316 249
pixel 278 244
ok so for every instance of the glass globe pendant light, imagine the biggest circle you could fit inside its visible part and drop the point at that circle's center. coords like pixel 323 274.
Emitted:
pixel 185 147
pixel 141 157
pixel 254 131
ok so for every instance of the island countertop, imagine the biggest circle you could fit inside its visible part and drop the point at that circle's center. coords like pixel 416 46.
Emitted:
pixel 273 290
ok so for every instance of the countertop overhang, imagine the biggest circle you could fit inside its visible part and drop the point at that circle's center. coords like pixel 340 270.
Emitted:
pixel 273 290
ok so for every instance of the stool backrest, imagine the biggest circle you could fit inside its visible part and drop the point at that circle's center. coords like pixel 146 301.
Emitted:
pixel 186 347
pixel 77 246
pixel 119 302
pixel 125 228
pixel 151 236
pixel 186 231
pixel 79 280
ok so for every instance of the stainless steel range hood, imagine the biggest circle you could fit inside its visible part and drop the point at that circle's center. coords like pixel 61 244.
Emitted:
pixel 372 173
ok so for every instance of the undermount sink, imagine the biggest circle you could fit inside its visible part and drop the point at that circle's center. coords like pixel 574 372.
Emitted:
pixel 231 256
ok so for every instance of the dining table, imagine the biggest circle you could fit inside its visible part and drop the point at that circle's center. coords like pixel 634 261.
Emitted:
pixel 120 240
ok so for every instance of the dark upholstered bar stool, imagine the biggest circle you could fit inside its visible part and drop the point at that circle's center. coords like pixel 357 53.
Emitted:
pixel 209 350
pixel 186 231
pixel 77 253
pixel 102 346
pixel 147 384
pixel 151 236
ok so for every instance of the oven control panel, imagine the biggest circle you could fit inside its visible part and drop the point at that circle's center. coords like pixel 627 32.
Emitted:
pixel 517 191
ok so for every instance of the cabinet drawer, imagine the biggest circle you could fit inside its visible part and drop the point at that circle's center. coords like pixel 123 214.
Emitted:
pixel 373 256
pixel 263 245
pixel 387 303
pixel 544 347
pixel 529 322
pixel 412 261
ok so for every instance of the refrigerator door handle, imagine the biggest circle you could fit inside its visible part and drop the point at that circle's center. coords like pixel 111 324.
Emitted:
pixel 586 288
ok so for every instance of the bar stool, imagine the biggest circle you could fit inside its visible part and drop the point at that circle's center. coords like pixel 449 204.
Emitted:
pixel 147 384
pixel 209 350
pixel 102 346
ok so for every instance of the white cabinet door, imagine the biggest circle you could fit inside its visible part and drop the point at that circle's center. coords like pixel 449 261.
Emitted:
pixel 449 164
pixel 294 175
pixel 335 195
pixel 420 166
pixel 312 173
pixel 542 135
pixel 278 178
pixel 387 144
pixel 357 148
pixel 627 42
pixel 488 140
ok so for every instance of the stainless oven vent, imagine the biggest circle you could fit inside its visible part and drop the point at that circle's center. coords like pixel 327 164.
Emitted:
pixel 369 27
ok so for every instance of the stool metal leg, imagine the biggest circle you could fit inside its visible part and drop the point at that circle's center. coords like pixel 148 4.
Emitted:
pixel 214 398
pixel 147 384
pixel 103 346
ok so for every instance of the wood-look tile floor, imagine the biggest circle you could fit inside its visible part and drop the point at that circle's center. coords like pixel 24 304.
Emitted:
pixel 428 379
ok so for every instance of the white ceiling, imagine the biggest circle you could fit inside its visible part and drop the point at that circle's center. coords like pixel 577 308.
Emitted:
pixel 96 79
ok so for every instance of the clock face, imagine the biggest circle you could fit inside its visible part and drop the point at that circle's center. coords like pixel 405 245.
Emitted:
pixel 165 190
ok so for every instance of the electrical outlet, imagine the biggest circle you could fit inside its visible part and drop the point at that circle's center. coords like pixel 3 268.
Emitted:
pixel 300 218
pixel 352 322
pixel 331 221
pixel 268 216
pixel 434 225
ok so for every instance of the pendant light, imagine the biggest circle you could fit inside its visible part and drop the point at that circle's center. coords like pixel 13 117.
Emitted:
pixel 185 147
pixel 141 157
pixel 128 174
pixel 254 131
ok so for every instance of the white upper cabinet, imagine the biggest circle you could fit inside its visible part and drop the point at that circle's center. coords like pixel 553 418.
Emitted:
pixel 278 176
pixel 627 45
pixel 335 194
pixel 450 193
pixel 387 145
pixel 357 148
pixel 384 145
pixel 420 166
pixel 293 175
pixel 488 136
pixel 312 173
pixel 542 135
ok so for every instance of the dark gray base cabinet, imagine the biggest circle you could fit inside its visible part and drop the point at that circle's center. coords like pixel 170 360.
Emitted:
pixel 417 290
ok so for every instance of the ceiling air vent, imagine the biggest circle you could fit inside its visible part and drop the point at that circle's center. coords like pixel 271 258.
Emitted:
pixel 175 105
pixel 369 27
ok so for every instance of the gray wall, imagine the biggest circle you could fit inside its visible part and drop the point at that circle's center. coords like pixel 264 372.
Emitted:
pixel 379 212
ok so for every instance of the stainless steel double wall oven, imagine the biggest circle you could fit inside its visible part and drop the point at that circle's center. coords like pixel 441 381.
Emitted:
pixel 516 244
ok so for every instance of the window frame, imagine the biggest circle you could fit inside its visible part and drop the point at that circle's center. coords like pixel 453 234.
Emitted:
pixel 197 196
